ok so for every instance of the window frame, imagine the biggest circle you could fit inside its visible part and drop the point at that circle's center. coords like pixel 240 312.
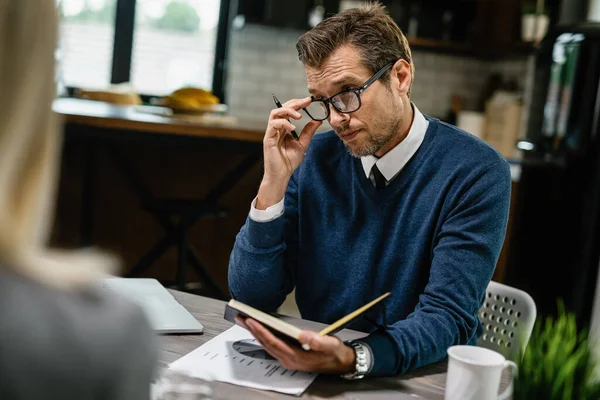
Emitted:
pixel 123 47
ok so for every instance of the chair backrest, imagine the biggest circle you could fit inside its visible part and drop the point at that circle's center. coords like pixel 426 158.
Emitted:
pixel 508 316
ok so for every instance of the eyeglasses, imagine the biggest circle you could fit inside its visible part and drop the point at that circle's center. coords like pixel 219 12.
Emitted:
pixel 346 102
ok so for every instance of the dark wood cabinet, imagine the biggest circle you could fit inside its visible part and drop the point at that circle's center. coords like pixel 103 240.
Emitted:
pixel 497 23
pixel 284 14
pixel 478 28
pixel 442 20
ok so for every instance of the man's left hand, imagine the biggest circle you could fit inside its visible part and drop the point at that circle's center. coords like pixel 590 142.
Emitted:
pixel 327 354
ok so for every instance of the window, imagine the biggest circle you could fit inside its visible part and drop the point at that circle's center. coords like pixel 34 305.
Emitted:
pixel 86 33
pixel 157 45
pixel 174 44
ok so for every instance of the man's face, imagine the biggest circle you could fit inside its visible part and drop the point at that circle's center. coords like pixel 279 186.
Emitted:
pixel 370 129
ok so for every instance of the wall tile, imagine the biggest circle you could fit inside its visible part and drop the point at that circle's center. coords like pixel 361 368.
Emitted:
pixel 264 61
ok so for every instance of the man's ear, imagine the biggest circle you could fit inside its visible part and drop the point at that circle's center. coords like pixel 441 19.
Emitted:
pixel 402 77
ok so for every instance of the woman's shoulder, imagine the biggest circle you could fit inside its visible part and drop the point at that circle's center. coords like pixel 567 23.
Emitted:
pixel 86 311
pixel 86 332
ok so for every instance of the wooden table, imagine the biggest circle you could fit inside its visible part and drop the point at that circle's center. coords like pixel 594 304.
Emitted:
pixel 428 382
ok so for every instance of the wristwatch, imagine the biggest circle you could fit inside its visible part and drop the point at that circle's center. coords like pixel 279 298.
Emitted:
pixel 364 360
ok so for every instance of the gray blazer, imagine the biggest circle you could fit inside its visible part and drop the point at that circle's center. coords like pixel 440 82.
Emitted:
pixel 71 345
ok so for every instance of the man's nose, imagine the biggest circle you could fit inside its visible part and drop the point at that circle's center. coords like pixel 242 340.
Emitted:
pixel 338 119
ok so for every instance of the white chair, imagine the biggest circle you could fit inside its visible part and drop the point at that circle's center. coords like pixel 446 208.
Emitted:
pixel 508 316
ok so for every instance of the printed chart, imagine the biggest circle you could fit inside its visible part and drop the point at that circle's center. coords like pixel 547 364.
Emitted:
pixel 236 357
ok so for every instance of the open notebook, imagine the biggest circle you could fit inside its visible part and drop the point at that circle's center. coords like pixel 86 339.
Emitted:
pixel 288 331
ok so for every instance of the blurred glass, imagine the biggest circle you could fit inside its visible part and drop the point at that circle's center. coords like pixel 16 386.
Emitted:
pixel 174 45
pixel 86 35
pixel 177 386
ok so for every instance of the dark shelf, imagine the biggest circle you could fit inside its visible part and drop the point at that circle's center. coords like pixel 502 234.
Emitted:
pixel 485 52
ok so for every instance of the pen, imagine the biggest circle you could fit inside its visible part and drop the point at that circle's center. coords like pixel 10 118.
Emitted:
pixel 278 104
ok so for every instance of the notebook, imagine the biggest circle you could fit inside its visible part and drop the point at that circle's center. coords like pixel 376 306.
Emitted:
pixel 287 331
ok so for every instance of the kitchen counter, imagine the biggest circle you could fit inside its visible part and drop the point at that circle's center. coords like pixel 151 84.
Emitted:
pixel 152 119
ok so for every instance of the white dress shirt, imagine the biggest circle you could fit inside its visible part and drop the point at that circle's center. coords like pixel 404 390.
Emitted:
pixel 390 164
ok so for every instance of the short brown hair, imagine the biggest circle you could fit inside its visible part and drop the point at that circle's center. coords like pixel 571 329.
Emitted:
pixel 369 28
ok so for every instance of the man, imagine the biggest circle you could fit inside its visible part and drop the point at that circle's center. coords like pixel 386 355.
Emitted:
pixel 396 202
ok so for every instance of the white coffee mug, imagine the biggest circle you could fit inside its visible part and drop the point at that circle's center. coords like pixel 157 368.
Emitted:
pixel 474 374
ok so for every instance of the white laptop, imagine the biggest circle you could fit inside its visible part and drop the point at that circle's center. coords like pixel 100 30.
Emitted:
pixel 165 313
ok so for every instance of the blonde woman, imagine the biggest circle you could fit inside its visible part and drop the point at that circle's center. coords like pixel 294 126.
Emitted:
pixel 59 339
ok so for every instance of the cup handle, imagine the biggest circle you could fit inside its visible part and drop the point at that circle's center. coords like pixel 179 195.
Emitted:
pixel 509 390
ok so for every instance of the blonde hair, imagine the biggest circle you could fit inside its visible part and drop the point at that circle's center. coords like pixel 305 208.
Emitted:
pixel 30 143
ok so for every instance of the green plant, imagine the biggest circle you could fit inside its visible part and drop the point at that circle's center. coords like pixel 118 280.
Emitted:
pixel 558 363
pixel 530 8
pixel 179 16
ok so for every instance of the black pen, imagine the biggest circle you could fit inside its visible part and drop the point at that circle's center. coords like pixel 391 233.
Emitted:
pixel 278 104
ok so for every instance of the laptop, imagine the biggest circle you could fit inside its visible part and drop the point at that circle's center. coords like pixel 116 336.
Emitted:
pixel 165 313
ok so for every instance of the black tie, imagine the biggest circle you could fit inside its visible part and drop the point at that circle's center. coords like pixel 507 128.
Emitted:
pixel 379 178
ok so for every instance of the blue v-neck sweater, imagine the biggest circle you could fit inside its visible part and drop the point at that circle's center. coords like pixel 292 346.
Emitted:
pixel 432 238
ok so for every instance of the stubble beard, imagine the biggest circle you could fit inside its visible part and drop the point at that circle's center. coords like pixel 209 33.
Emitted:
pixel 374 143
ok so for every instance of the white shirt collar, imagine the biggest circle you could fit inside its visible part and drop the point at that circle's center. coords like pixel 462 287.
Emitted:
pixel 394 160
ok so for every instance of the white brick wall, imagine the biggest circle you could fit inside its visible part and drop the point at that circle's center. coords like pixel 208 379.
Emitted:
pixel 263 60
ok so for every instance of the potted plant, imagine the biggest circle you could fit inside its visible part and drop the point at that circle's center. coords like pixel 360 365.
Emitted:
pixel 534 21
pixel 558 363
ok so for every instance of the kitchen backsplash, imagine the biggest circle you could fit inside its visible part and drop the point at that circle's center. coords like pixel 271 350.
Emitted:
pixel 263 60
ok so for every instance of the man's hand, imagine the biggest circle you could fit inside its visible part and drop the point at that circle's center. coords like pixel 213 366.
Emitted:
pixel 327 354
pixel 282 153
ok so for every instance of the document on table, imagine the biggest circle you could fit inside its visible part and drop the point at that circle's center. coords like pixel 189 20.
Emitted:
pixel 236 357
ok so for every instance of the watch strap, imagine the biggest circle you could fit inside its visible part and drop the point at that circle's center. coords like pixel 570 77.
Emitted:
pixel 364 360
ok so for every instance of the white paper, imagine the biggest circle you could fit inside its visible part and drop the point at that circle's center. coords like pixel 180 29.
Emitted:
pixel 236 357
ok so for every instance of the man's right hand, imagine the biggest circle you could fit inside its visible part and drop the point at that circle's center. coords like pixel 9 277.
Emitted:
pixel 282 153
